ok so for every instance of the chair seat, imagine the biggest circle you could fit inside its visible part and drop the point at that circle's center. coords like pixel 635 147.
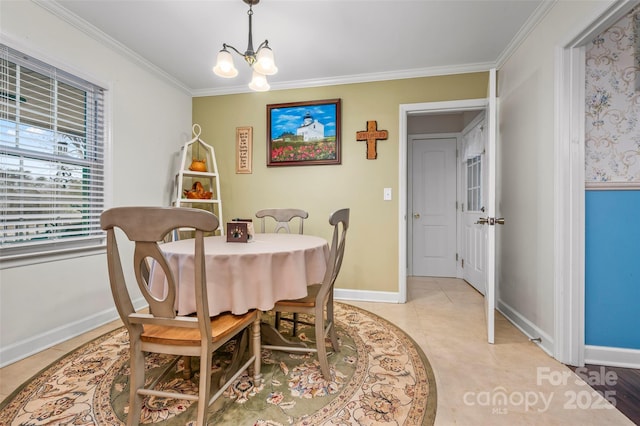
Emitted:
pixel 223 326
pixel 309 301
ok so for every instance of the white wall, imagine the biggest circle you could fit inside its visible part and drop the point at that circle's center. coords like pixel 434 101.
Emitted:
pixel 44 303
pixel 526 84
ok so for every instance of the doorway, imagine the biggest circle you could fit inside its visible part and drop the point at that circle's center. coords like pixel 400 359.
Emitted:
pixel 445 196
pixel 489 106
pixel 435 111
pixel 569 280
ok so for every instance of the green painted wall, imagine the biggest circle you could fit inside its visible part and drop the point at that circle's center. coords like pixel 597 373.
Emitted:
pixel 371 258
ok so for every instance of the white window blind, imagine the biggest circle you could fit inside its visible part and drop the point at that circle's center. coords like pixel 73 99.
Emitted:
pixel 51 158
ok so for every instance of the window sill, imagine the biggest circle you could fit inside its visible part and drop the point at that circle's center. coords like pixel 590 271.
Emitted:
pixel 60 255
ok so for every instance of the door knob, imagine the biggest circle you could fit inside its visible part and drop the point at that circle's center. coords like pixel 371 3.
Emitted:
pixel 490 221
pixel 416 215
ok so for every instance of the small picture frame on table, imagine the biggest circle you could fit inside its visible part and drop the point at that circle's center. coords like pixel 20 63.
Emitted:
pixel 240 230
pixel 237 232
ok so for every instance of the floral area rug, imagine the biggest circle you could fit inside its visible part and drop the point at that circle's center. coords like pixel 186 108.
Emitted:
pixel 380 377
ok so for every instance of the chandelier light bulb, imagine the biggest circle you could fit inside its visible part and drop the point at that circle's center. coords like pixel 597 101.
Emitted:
pixel 265 63
pixel 224 65
pixel 259 82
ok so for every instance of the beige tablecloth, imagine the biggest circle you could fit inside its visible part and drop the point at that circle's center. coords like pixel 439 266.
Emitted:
pixel 244 276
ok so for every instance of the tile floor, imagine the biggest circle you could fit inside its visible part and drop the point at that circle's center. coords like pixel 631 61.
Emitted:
pixel 446 318
pixel 512 382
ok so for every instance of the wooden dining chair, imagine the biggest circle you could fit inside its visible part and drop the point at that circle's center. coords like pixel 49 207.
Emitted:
pixel 282 218
pixel 162 330
pixel 319 300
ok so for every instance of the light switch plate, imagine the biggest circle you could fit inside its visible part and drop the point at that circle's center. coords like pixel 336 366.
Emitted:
pixel 387 194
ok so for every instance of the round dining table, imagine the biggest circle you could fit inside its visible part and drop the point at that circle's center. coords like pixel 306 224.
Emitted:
pixel 244 275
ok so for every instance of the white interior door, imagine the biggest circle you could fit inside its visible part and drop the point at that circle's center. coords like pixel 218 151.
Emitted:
pixel 490 220
pixel 434 206
pixel 474 234
pixel 474 181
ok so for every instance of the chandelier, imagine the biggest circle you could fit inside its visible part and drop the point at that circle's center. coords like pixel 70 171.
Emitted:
pixel 260 60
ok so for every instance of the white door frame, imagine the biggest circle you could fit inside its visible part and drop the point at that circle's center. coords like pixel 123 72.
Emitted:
pixel 405 111
pixel 569 198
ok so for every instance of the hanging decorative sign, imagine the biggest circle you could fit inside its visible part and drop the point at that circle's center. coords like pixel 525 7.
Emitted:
pixel 372 135
pixel 244 149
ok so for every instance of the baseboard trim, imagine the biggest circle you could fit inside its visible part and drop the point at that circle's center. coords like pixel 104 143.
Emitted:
pixel 27 347
pixel 33 345
pixel 527 327
pixel 612 357
pixel 366 295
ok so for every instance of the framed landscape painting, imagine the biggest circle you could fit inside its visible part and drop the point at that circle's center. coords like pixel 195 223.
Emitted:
pixel 303 133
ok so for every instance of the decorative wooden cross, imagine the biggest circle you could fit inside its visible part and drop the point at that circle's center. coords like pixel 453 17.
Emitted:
pixel 372 135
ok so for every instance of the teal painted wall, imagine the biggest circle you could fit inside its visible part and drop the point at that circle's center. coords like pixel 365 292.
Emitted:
pixel 612 271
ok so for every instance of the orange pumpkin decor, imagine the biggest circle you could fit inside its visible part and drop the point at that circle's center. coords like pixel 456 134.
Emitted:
pixel 198 165
pixel 197 192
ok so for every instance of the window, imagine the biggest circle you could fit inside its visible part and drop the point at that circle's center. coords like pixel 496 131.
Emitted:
pixel 51 158
pixel 474 174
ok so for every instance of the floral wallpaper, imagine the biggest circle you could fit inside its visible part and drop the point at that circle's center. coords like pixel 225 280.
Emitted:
pixel 612 151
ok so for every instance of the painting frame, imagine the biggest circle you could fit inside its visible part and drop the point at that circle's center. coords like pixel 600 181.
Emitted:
pixel 297 137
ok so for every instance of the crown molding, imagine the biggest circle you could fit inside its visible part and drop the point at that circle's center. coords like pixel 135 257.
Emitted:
pixel 354 79
pixel 74 20
pixel 535 18
pixel 59 11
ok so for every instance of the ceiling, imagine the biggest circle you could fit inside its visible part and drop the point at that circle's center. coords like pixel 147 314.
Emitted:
pixel 315 42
